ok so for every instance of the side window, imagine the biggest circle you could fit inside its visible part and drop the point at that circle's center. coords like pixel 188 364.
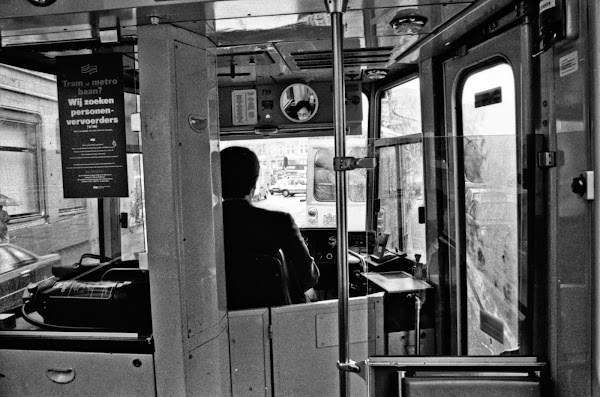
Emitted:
pixel 400 168
pixel 324 184
pixel 401 110
pixel 19 166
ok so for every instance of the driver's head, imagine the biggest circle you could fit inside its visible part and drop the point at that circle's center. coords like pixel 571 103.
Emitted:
pixel 239 171
pixel 303 110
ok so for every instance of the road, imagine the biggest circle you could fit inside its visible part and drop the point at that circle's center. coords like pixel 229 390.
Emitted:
pixel 295 205
pixel 132 239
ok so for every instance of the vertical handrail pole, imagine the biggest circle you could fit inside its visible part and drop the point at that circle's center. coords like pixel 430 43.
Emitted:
pixel 594 47
pixel 336 9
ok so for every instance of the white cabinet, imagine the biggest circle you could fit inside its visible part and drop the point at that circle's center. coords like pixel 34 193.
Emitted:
pixel 39 373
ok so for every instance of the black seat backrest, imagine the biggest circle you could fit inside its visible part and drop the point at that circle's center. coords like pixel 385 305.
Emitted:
pixel 255 280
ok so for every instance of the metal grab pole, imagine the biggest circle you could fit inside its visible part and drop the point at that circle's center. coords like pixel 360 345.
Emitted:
pixel 594 18
pixel 336 9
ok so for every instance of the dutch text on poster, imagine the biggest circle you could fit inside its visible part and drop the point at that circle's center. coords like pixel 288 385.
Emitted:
pixel 92 126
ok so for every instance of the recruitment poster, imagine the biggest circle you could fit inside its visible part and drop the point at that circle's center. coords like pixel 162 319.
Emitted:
pixel 92 126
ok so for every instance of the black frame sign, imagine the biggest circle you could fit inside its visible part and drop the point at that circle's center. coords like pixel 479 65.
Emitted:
pixel 91 111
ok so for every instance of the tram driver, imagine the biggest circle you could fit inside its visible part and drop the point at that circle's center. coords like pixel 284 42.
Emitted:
pixel 251 232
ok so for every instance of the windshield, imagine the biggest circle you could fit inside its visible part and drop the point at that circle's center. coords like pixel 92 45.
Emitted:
pixel 296 176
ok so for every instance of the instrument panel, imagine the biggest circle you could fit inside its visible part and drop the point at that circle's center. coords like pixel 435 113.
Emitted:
pixel 322 243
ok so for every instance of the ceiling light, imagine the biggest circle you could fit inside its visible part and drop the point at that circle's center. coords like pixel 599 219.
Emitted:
pixel 376 74
pixel 408 21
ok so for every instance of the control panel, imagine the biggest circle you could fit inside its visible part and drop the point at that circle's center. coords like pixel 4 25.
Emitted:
pixel 322 243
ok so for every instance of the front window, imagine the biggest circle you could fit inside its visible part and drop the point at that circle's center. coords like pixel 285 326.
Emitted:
pixel 306 164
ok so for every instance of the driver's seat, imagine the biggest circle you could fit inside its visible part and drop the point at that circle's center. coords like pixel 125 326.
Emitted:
pixel 256 280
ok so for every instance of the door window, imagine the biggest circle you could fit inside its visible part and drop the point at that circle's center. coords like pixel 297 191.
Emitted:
pixel 491 213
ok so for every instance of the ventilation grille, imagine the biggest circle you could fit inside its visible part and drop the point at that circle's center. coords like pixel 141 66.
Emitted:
pixel 323 59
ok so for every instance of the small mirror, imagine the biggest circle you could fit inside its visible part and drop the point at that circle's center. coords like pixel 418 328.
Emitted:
pixel 299 103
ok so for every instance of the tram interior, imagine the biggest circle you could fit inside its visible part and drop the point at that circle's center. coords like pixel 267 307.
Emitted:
pixel 413 219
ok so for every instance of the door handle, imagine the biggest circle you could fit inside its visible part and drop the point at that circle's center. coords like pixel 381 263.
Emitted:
pixel 61 376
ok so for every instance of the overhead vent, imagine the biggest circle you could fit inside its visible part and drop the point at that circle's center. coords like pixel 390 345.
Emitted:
pixel 356 57
pixel 242 66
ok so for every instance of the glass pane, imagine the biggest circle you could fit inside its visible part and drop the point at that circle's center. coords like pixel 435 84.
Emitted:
pixel 305 187
pixel 17 134
pixel 18 165
pixel 133 238
pixel 324 181
pixel 491 210
pixel 401 197
pixel 31 180
pixel 18 175
pixel 401 110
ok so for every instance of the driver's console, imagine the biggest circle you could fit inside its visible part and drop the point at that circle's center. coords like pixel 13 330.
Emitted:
pixel 322 245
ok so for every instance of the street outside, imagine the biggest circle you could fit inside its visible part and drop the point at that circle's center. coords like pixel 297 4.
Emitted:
pixel 294 205
pixel 132 239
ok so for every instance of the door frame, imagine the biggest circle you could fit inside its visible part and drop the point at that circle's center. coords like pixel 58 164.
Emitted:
pixel 514 47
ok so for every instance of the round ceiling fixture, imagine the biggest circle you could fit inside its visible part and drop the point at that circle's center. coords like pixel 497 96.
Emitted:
pixel 42 3
pixel 408 21
pixel 376 74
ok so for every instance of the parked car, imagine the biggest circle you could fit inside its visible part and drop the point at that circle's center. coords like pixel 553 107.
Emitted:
pixel 293 187
pixel 277 186
pixel 18 268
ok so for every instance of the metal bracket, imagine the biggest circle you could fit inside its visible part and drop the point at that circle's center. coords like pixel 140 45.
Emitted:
pixel 350 366
pixel 546 159
pixel 350 163
pixel 359 368
pixel 336 5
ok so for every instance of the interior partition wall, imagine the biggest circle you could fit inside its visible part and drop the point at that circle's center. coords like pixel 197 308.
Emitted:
pixel 179 115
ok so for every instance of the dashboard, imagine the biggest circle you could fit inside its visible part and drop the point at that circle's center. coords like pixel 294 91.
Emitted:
pixel 322 246
pixel 322 243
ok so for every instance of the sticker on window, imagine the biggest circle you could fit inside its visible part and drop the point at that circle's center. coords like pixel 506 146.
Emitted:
pixel 489 97
pixel 546 4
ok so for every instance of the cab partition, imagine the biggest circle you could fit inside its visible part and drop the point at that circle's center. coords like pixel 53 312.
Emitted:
pixel 293 350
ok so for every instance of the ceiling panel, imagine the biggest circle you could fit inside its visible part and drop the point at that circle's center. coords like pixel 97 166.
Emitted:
pixel 278 40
